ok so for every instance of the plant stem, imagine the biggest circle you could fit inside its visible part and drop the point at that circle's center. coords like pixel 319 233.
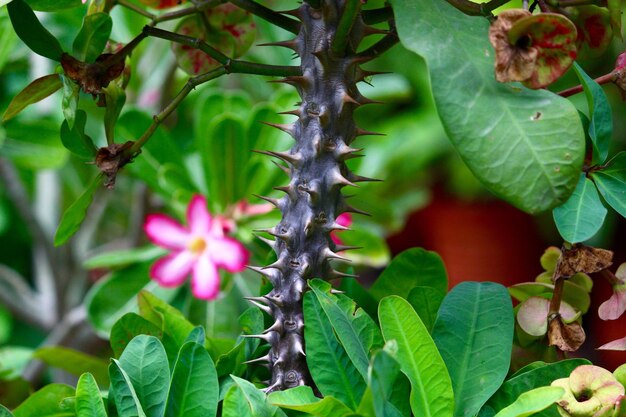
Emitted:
pixel 371 17
pixel 604 79
pixel 351 11
pixel 198 8
pixel 136 9
pixel 386 43
pixel 477 9
pixel 268 14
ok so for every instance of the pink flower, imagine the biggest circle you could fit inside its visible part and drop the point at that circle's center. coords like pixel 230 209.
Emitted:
pixel 345 220
pixel 199 249
pixel 615 306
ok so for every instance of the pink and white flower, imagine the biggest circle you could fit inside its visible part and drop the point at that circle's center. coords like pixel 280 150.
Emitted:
pixel 201 249
pixel 615 306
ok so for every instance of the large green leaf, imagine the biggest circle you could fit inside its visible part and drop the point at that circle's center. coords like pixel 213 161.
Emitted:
pixel 526 146
pixel 474 334
pixel 534 378
pixel 255 399
pixel 531 402
pixel 426 302
pixel 582 215
pixel 122 392
pixel 329 364
pixel 302 399
pixel 4 412
pixel 75 214
pixel 33 144
pixel 93 37
pixel 235 404
pixel 168 318
pixel 356 331
pixel 601 118
pixel 74 362
pixel 611 181
pixel 194 390
pixel 75 139
pixel 46 402
pixel 145 362
pixel 33 93
pixel 431 388
pixel 53 5
pixel 385 380
pixel 31 32
pixel 88 400
pixel 412 268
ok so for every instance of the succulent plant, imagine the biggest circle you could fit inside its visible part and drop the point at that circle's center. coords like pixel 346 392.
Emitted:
pixel 317 168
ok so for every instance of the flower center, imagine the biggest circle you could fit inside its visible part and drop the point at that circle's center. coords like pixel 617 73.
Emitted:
pixel 197 245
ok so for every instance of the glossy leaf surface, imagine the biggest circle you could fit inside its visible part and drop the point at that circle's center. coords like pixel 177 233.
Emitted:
pixel 474 334
pixel 431 388
pixel 511 150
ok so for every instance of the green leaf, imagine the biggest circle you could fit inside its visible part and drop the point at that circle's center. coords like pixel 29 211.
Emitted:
pixel 534 378
pixel 531 402
pixel 32 33
pixel 431 388
pixel 4 412
pixel 474 334
pixel 33 93
pixel 511 150
pixel 195 389
pixel 302 399
pixel 601 123
pixel 74 362
pixel 145 362
pixel 46 402
pixel 88 400
pixel 356 331
pixel 75 214
pixel 122 258
pixel 75 139
pixel 426 302
pixel 384 380
pixel 412 268
pixel 129 326
pixel 122 392
pixel 116 295
pixel 329 364
pixel 255 398
pixel 611 181
pixel 582 215
pixel 69 103
pixel 13 361
pixel 235 404
pixel 159 312
pixel 53 5
pixel 92 37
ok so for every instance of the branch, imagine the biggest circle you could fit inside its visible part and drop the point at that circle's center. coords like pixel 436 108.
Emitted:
pixel 20 299
pixel 348 17
pixel 604 79
pixel 477 9
pixel 270 15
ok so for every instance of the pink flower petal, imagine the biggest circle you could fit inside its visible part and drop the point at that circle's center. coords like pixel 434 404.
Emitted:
pixel 165 231
pixel 205 282
pixel 171 270
pixel 619 344
pixel 344 219
pixel 229 254
pixel 198 217
pixel 615 306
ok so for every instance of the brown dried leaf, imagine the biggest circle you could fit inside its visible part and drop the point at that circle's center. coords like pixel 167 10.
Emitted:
pixel 581 258
pixel 111 159
pixel 513 63
pixel 92 78
pixel 567 337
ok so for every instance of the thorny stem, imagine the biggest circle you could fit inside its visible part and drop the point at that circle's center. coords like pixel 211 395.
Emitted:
pixel 477 9
pixel 604 79
pixel 348 17
pixel 271 16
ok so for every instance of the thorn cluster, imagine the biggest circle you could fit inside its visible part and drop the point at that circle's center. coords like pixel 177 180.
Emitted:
pixel 316 165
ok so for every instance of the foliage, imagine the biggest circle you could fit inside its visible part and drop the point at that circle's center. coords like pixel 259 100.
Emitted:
pixel 121 77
